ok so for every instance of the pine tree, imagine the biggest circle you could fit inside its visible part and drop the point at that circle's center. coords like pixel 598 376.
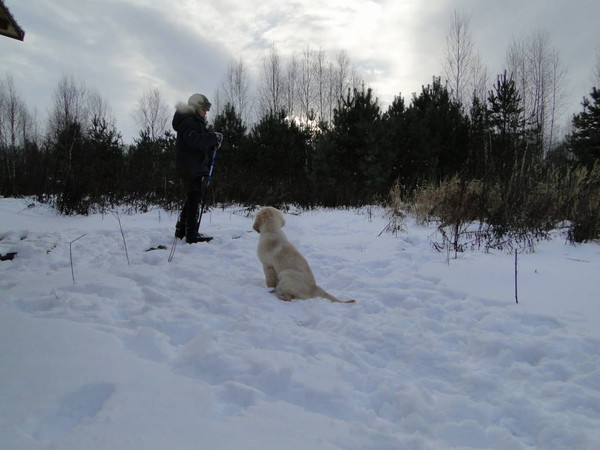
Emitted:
pixel 395 125
pixel 585 141
pixel 150 170
pixel 233 158
pixel 105 164
pixel 478 163
pixel 437 136
pixel 507 124
pixel 68 172
pixel 280 160
pixel 352 164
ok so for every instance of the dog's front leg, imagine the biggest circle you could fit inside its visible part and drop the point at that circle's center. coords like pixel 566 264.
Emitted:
pixel 270 276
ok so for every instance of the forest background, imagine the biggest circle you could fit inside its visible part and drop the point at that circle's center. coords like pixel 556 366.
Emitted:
pixel 467 149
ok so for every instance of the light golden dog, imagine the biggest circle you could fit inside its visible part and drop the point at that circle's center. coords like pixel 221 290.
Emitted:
pixel 285 268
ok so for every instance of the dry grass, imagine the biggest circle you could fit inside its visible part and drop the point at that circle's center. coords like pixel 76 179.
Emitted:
pixel 513 213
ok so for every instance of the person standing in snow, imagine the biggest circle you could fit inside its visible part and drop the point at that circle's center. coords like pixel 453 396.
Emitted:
pixel 192 160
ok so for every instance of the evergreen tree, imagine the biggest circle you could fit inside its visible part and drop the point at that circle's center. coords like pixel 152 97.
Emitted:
pixel 150 170
pixel 437 136
pixel 67 169
pixel 478 163
pixel 279 158
pixel 507 123
pixel 105 164
pixel 170 184
pixel 395 125
pixel 233 157
pixel 352 162
pixel 32 174
pixel 585 140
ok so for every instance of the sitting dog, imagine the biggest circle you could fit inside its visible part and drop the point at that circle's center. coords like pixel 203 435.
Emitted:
pixel 285 268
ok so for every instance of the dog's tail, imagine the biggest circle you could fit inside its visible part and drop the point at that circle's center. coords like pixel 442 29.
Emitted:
pixel 322 293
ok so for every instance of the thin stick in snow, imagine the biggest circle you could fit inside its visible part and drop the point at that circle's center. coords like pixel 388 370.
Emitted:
pixel 516 279
pixel 116 215
pixel 71 256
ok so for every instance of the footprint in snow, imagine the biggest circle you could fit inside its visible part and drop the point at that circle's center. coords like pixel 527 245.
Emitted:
pixel 66 413
pixel 234 398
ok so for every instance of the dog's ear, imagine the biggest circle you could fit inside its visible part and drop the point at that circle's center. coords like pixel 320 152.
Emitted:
pixel 282 220
pixel 257 222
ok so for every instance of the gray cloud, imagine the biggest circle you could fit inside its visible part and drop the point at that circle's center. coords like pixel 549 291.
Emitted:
pixel 118 48
pixel 123 47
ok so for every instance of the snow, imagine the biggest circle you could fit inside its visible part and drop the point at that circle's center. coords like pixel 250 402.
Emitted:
pixel 196 353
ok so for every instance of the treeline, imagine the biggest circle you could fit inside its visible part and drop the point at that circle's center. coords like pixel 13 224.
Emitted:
pixel 352 160
pixel 488 165
pixel 494 158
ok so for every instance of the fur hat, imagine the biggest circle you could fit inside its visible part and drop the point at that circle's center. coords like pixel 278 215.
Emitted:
pixel 199 101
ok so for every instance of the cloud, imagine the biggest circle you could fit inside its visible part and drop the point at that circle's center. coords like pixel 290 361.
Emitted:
pixel 119 48
pixel 123 47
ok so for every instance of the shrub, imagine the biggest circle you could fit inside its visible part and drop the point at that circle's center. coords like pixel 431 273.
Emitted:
pixel 518 212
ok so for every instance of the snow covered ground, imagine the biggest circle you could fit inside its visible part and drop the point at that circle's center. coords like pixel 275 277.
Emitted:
pixel 197 354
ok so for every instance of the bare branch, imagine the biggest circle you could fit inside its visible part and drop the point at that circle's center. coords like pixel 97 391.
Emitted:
pixel 152 114
pixel 459 59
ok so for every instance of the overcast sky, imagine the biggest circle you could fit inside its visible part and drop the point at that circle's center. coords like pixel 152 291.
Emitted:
pixel 122 48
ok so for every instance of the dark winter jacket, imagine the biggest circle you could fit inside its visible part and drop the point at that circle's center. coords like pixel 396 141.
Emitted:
pixel 194 142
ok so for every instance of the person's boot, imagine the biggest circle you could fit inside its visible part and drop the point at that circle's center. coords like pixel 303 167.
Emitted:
pixel 180 230
pixel 191 237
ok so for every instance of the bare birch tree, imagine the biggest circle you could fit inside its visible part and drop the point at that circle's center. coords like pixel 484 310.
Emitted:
pixel 540 79
pixel 98 106
pixel 344 76
pixel 306 84
pixel 70 105
pixel 291 86
pixel 67 121
pixel 481 79
pixel 235 89
pixel 15 124
pixel 12 114
pixel 152 113
pixel 459 58
pixel 323 81
pixel 558 77
pixel 271 88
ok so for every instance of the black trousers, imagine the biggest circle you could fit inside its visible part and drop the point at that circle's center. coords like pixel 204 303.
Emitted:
pixel 188 219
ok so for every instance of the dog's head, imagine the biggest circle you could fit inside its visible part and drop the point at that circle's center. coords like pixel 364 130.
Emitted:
pixel 268 217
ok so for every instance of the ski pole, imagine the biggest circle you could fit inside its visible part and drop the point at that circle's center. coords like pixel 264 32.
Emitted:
pixel 209 178
pixel 173 246
pixel 206 186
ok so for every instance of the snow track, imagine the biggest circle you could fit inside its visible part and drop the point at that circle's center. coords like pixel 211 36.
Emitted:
pixel 197 354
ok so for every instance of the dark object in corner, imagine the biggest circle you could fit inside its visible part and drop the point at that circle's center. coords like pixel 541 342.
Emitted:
pixel 8 25
pixel 8 257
